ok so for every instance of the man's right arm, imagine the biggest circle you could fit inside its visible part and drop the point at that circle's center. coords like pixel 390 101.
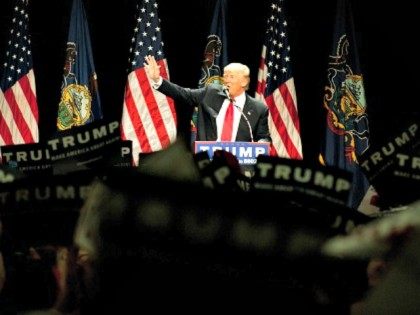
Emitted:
pixel 191 97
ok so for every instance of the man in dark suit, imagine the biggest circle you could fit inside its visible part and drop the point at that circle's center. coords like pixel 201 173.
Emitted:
pixel 250 116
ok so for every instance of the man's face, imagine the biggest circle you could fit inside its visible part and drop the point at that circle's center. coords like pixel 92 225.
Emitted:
pixel 235 81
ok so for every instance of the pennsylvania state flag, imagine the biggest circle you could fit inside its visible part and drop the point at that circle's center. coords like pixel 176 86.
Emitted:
pixel 215 56
pixel 79 103
pixel 347 129
pixel 215 52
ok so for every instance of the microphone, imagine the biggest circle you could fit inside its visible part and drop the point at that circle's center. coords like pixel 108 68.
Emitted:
pixel 226 91
pixel 246 119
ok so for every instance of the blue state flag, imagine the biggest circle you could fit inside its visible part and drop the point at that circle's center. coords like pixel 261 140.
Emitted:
pixel 215 56
pixel 79 103
pixel 215 53
pixel 347 129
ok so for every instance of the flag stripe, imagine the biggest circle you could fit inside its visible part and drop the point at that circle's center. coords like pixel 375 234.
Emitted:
pixel 133 119
pixel 156 120
pixel 262 74
pixel 5 119
pixel 143 100
pixel 289 102
pixel 15 98
pixel 26 101
pixel 28 85
pixel 285 143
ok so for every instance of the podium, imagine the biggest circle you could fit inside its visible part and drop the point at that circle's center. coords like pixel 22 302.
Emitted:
pixel 245 152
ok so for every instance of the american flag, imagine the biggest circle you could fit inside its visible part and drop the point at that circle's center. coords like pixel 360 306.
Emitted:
pixel 148 118
pixel 276 87
pixel 18 105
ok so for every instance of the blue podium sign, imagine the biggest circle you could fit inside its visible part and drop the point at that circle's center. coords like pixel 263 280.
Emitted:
pixel 245 152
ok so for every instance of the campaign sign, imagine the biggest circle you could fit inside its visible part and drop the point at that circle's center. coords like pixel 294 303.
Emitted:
pixel 382 157
pixel 9 175
pixel 301 180
pixel 85 147
pixel 245 152
pixel 223 172
pixel 393 167
pixel 43 209
pixel 27 158
pixel 124 156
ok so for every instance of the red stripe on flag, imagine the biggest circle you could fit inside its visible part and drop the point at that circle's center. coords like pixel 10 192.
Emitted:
pixel 281 128
pixel 273 151
pixel 18 118
pixel 152 106
pixel 261 81
pixel 30 95
pixel 4 130
pixel 135 117
pixel 261 88
pixel 290 105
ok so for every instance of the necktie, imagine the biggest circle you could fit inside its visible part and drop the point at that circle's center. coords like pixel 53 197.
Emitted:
pixel 228 124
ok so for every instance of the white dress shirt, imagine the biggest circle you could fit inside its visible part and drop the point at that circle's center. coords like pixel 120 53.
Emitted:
pixel 238 103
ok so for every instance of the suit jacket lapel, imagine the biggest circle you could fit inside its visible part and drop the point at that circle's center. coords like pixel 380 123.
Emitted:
pixel 218 104
pixel 248 110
